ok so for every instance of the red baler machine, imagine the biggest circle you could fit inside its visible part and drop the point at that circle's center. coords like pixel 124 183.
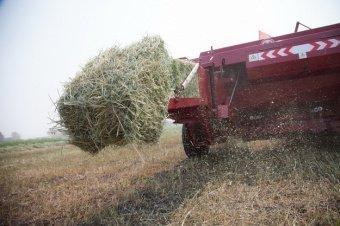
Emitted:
pixel 267 88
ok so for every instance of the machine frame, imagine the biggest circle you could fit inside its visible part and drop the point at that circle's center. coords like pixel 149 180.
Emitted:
pixel 282 85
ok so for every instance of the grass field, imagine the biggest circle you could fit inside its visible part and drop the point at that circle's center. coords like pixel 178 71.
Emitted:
pixel 5 145
pixel 261 182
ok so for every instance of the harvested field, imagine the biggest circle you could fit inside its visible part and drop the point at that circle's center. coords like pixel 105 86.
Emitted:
pixel 262 182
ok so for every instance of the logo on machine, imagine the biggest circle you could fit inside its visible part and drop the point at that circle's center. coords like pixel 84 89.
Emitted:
pixel 300 50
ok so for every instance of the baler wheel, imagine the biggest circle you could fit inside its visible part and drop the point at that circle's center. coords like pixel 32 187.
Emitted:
pixel 189 148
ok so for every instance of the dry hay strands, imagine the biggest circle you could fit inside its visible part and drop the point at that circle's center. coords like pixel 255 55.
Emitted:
pixel 121 96
pixel 180 70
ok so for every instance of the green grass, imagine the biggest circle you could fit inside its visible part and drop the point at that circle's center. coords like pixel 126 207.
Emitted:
pixel 25 142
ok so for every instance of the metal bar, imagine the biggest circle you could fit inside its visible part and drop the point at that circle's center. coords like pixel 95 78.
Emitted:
pixel 212 86
pixel 236 83
pixel 297 26
pixel 189 77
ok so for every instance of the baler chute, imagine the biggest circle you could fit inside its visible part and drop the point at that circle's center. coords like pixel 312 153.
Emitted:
pixel 289 84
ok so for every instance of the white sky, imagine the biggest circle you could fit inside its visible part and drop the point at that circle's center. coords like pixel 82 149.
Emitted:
pixel 44 43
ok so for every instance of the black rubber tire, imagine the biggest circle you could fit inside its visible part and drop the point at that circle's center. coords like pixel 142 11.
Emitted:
pixel 190 150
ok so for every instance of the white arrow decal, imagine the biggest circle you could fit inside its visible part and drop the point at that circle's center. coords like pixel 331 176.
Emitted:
pixel 334 41
pixel 321 44
pixel 270 54
pixel 281 52
pixel 260 55
pixel 300 50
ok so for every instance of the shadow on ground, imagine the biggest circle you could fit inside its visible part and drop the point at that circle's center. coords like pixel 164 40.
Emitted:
pixel 157 197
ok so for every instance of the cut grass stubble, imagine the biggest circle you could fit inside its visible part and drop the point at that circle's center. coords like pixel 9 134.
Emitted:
pixel 242 183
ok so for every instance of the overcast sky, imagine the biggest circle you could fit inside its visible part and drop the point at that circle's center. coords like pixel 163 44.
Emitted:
pixel 44 43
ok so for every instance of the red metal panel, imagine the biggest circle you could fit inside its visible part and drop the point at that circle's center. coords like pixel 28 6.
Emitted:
pixel 240 53
pixel 284 51
pixel 222 111
pixel 302 68
pixel 330 28
pixel 295 58
pixel 305 89
pixel 203 84
pixel 178 103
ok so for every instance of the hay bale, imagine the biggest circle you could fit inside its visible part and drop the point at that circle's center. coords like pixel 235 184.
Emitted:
pixel 180 70
pixel 120 96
